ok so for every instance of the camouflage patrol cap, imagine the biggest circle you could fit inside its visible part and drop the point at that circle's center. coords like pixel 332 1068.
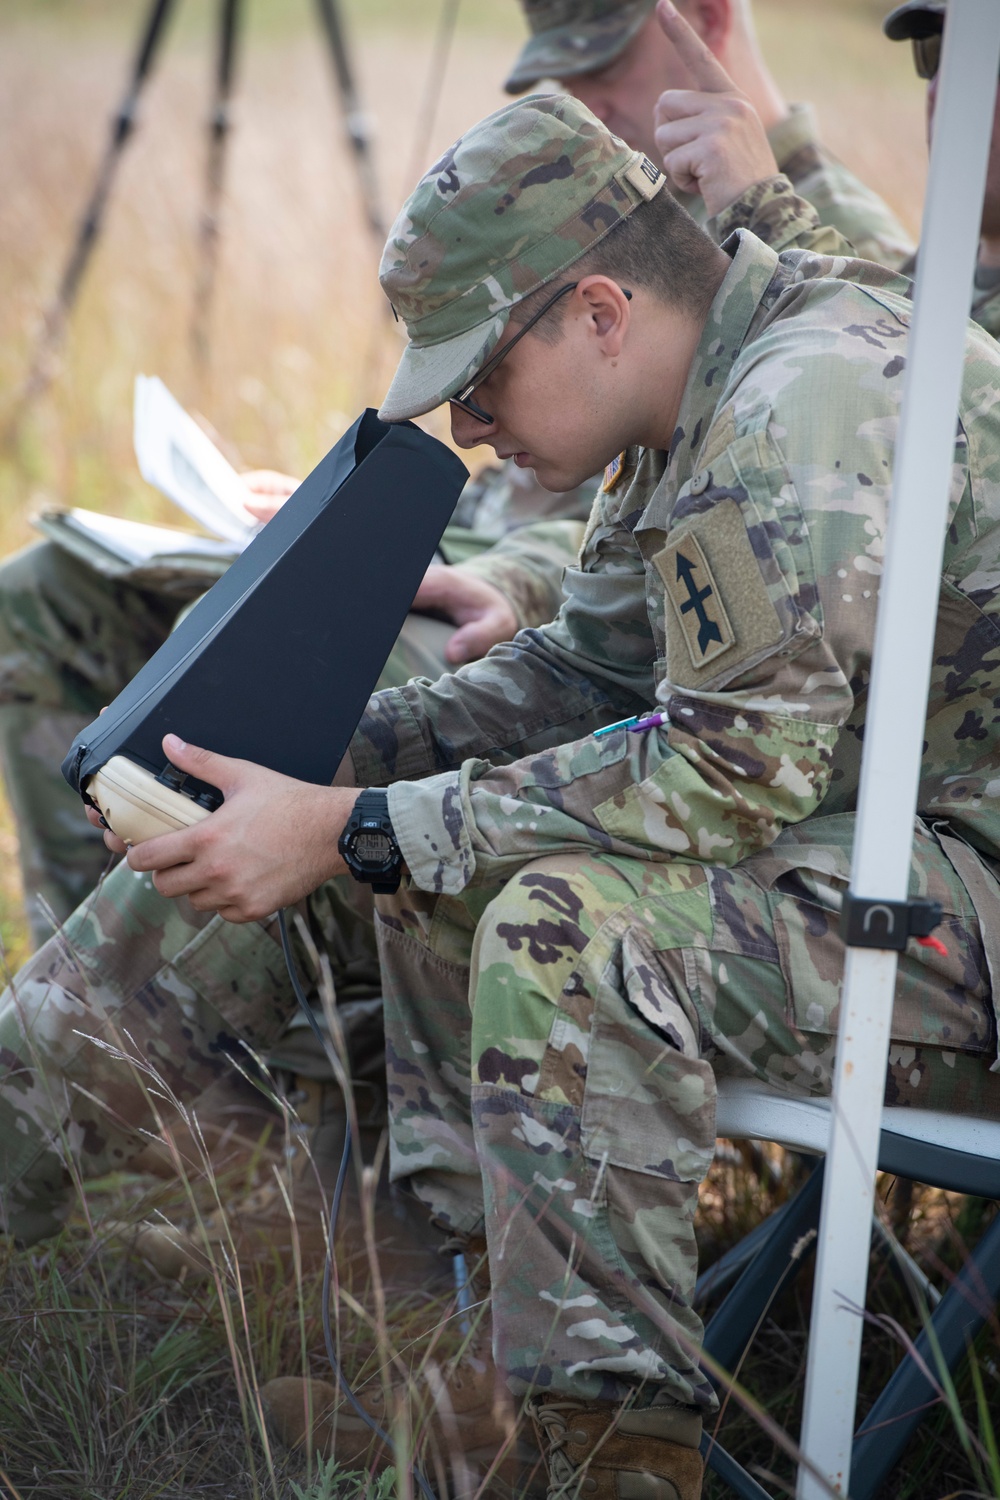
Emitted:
pixel 512 204
pixel 570 37
pixel 916 18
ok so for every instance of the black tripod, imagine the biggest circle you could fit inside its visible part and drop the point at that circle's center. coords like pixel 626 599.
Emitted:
pixel 123 124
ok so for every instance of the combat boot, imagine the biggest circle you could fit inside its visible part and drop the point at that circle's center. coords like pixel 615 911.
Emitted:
pixel 596 1451
pixel 459 1419
pixel 459 1416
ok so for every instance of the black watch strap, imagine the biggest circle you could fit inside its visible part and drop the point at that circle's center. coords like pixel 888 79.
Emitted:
pixel 372 808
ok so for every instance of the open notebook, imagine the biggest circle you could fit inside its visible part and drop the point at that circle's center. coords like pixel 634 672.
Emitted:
pixel 177 457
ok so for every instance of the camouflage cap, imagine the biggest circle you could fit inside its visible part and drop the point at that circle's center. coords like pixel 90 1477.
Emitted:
pixel 916 18
pixel 570 37
pixel 512 204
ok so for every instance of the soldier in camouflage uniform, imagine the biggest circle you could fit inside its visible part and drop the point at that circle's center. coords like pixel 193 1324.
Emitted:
pixel 619 56
pixel 774 206
pixel 596 924
pixel 922 23
pixel 71 635
pixel 75 629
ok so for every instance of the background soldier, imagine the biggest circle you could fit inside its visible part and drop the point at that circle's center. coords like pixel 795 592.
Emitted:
pixel 922 23
pixel 619 57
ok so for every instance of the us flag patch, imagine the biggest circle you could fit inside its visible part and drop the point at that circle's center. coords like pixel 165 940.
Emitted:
pixel 613 473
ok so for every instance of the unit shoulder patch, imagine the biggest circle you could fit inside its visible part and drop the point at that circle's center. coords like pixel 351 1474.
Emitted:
pixel 614 472
pixel 719 614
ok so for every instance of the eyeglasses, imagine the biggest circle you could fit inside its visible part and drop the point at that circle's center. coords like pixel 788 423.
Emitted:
pixel 927 54
pixel 463 399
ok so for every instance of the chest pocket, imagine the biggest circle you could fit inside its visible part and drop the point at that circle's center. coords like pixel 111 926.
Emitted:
pixel 737 569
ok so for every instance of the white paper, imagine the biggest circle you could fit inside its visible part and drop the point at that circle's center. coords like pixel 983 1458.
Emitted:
pixel 139 544
pixel 182 461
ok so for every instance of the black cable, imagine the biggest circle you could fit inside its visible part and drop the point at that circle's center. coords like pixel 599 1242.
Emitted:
pixel 338 1194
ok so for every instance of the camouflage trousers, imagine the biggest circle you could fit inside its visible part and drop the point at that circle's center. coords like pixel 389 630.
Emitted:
pixel 134 1008
pixel 70 639
pixel 552 1051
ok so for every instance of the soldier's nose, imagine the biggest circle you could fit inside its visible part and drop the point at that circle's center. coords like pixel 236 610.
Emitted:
pixel 467 431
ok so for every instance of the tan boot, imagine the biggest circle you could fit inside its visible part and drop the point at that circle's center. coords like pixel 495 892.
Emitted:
pixel 602 1452
pixel 460 1421
pixel 459 1416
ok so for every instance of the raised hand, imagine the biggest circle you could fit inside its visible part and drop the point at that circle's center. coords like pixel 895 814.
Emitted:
pixel 710 136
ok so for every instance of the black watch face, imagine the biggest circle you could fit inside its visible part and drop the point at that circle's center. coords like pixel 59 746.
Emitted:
pixel 372 847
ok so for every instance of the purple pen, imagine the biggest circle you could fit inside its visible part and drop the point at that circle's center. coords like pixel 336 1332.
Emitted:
pixel 653 722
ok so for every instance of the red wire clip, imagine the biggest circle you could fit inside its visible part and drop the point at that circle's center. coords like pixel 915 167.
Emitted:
pixel 935 943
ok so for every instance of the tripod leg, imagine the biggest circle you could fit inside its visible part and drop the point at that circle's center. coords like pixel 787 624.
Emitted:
pixel 219 126
pixel 354 119
pixel 123 123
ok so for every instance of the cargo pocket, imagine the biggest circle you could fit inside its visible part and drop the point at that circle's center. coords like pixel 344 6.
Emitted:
pixel 942 1000
pixel 649 1101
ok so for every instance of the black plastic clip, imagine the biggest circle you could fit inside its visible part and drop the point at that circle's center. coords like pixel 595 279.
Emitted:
pixel 866 922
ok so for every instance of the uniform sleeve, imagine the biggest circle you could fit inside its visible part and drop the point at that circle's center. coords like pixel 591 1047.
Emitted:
pixel 527 567
pixel 592 664
pixel 762 580
pixel 773 211
pixel 986 311
pixel 841 199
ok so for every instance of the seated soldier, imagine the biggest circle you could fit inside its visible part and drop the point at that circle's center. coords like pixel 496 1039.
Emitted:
pixel 594 924
pixel 70 638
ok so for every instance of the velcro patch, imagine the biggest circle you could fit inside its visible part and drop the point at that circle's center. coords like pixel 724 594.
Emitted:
pixel 644 176
pixel 719 608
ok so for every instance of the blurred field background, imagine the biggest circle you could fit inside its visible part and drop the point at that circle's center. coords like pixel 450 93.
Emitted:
pixel 300 341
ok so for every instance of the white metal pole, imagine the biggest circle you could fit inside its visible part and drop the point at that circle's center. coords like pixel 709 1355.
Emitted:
pixel 894 730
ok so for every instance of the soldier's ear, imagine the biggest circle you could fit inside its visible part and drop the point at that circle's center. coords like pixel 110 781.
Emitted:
pixel 606 309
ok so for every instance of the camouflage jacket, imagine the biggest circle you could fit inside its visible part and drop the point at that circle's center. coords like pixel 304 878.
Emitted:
pixel 984 308
pixel 730 585
pixel 519 537
pixel 840 200
pixel 778 215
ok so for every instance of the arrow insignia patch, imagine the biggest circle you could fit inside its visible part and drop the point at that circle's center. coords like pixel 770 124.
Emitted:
pixel 696 600
pixel 720 614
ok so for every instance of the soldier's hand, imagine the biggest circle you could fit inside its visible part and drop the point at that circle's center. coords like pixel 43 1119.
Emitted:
pixel 710 136
pixel 483 614
pixel 268 491
pixel 273 840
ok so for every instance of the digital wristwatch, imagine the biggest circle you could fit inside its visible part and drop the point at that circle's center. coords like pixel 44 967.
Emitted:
pixel 368 844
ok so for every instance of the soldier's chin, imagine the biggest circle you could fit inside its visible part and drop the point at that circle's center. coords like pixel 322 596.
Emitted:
pixel 558 478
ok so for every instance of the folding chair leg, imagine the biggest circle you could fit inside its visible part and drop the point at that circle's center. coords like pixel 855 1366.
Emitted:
pixel 720 1275
pixel 896 1414
pixel 730 1472
pixel 732 1326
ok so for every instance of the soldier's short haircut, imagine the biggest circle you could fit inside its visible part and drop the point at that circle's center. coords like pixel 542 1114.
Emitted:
pixel 658 247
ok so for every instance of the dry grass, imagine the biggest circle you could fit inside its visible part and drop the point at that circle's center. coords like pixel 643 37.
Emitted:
pixel 113 1384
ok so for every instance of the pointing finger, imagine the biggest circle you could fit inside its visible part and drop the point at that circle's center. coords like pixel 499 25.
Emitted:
pixel 707 73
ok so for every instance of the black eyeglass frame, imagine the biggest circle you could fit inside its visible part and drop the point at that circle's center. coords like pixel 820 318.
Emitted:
pixel 927 54
pixel 463 399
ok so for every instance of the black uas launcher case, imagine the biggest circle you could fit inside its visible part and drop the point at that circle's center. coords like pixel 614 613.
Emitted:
pixel 276 663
